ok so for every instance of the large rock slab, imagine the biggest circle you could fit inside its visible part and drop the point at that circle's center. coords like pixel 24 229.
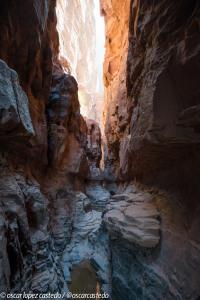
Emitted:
pixel 167 271
pixel 134 218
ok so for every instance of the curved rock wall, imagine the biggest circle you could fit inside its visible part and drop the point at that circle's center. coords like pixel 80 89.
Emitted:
pixel 163 91
pixel 155 126
pixel 28 259
pixel 151 117
pixel 43 148
pixel 26 46
pixel 47 150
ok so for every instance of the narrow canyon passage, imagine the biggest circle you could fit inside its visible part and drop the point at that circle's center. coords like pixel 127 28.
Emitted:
pixel 99 149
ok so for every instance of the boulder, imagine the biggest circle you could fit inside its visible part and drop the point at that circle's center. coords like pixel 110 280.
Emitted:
pixel 15 120
pixel 133 217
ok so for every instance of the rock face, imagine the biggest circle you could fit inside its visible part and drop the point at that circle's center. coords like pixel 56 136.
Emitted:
pixel 93 142
pixel 149 243
pixel 134 218
pixel 28 258
pixel 43 149
pixel 152 125
pixel 116 14
pixel 79 51
pixel 89 242
pixel 67 128
pixel 98 195
pixel 14 108
pixel 26 46
pixel 93 150
pixel 55 211
pixel 159 117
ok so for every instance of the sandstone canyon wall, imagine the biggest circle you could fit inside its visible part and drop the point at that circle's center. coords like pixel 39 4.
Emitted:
pixel 163 50
pixel 115 118
pixel 141 234
pixel 30 55
pixel 151 73
pixel 43 148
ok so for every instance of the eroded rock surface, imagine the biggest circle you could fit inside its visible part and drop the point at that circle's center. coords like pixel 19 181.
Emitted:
pixel 150 130
pixel 41 132
pixel 51 208
pixel 151 117
pixel 93 150
pixel 27 42
pixel 29 261
pixel 98 194
pixel 162 88
pixel 115 116
pixel 134 218
pixel 150 246
pixel 89 242
pixel 14 107
pixel 67 128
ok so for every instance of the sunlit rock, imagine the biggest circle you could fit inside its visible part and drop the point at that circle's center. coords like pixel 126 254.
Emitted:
pixel 81 45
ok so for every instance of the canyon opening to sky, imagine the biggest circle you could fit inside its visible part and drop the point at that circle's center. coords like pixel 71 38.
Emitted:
pixel 81 32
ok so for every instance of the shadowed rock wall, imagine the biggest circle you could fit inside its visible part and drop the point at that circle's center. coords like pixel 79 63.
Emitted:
pixel 151 116
pixel 155 128
pixel 26 46
pixel 43 144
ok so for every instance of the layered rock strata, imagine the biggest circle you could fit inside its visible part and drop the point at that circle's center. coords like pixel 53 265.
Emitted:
pixel 133 217
pixel 26 29
pixel 67 137
pixel 148 245
pixel 93 150
pixel 163 91
pixel 43 149
pixel 151 127
pixel 151 100
pixel 115 116
pixel 98 195
pixel 28 258
pixel 89 242
pixel 152 250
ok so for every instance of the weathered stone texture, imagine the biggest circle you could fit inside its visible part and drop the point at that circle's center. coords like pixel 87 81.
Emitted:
pixel 151 130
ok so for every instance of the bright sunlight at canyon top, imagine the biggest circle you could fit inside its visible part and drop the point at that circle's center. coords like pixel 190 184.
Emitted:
pixel 82 47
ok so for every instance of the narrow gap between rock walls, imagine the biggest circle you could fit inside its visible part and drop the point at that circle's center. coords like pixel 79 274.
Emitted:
pixel 82 55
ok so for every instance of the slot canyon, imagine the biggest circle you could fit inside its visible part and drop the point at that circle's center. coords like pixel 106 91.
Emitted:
pixel 100 149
